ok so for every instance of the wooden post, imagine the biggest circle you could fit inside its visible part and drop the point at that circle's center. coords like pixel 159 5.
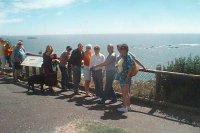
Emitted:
pixel 33 70
pixel 40 71
pixel 158 82
pixel 27 71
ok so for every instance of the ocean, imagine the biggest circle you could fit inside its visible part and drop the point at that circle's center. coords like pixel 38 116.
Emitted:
pixel 150 49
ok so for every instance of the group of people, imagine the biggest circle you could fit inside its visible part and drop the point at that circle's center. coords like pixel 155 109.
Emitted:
pixel 5 54
pixel 94 65
pixel 13 56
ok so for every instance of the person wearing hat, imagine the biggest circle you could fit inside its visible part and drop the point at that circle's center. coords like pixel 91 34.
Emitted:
pixel 18 57
pixel 97 72
pixel 86 70
pixel 64 58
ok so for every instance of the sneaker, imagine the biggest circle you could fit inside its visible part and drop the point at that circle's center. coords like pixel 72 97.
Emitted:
pixel 101 102
pixel 76 93
pixel 113 101
pixel 122 109
pixel 18 80
pixel 89 95
pixel 129 108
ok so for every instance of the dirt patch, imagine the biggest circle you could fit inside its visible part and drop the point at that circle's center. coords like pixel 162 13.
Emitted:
pixel 72 127
pixel 82 126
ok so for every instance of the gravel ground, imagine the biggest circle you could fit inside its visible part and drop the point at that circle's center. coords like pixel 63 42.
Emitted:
pixel 36 112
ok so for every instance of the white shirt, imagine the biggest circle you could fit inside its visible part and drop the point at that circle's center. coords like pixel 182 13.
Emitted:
pixel 96 60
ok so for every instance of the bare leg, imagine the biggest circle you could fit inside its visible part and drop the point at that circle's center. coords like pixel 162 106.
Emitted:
pixel 123 89
pixel 87 87
pixel 127 95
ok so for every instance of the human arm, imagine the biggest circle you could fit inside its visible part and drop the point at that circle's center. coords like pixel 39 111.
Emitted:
pixel 106 61
pixel 101 64
pixel 139 63
pixel 16 56
pixel 129 62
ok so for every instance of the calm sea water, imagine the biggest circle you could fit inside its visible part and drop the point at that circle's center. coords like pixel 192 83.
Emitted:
pixel 151 49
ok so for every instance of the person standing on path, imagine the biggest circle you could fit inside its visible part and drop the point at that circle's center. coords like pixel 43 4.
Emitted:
pixel 49 61
pixel 97 73
pixel 86 69
pixel 7 54
pixel 109 64
pixel 2 58
pixel 18 57
pixel 76 61
pixel 64 58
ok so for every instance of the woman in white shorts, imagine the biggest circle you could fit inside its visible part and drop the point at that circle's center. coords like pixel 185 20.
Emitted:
pixel 86 70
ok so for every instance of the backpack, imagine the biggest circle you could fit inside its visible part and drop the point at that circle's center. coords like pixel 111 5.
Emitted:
pixel 134 69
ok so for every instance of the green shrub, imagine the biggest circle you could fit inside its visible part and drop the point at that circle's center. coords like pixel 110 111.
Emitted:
pixel 180 89
pixel 184 65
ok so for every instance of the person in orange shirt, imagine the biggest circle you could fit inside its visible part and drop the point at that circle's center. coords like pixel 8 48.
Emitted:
pixel 86 69
pixel 7 54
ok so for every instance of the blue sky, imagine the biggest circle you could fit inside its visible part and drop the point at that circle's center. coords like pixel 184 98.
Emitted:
pixel 32 17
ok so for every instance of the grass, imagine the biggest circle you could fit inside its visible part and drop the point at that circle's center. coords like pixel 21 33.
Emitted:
pixel 140 88
pixel 145 89
pixel 86 126
pixel 98 127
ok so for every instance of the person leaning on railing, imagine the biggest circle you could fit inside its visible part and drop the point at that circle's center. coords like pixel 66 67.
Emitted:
pixel 125 65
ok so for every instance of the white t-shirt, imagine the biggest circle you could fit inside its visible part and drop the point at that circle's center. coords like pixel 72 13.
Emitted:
pixel 96 60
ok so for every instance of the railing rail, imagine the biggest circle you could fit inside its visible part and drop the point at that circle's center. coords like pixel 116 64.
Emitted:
pixel 170 73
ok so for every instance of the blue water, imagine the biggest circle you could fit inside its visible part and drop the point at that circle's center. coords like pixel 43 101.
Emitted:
pixel 151 49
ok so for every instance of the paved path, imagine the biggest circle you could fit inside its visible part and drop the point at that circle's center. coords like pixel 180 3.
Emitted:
pixel 28 112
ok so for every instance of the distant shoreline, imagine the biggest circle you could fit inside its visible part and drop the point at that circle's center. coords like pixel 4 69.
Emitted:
pixel 106 34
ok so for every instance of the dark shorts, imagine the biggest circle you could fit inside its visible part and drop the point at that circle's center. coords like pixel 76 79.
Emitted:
pixel 17 66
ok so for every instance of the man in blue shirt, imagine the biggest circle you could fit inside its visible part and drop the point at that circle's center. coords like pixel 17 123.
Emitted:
pixel 18 57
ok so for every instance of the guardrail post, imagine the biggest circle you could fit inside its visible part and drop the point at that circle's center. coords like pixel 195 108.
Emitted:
pixel 27 71
pixel 158 82
pixel 33 70
pixel 40 71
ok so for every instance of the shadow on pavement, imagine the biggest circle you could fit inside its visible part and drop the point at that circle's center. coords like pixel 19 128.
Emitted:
pixel 171 114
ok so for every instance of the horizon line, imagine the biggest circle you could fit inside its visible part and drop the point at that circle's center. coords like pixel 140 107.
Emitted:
pixel 98 34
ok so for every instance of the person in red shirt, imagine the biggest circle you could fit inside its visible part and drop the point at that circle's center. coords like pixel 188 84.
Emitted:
pixel 7 54
pixel 86 70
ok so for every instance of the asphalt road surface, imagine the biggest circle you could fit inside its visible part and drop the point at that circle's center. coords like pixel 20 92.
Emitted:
pixel 36 112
